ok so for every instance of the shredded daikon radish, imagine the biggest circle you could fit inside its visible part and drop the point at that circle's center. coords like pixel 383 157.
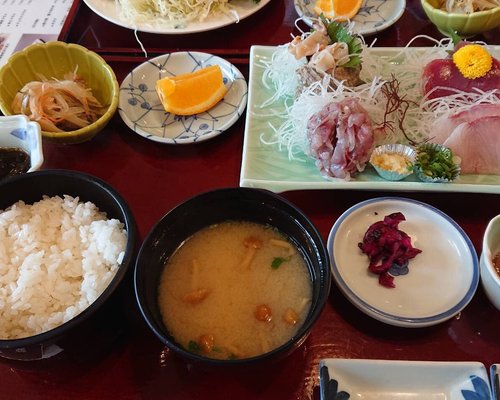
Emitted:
pixel 171 12
pixel 280 75
pixel 378 68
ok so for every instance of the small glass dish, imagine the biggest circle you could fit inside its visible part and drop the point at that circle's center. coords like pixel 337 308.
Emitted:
pixel 436 164
pixel 393 162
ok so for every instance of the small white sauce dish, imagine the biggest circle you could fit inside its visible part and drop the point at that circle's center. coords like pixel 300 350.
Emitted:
pixel 489 276
pixel 17 131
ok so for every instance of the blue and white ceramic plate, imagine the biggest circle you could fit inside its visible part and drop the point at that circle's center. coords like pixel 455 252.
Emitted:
pixel 391 380
pixel 373 16
pixel 495 381
pixel 141 109
pixel 439 282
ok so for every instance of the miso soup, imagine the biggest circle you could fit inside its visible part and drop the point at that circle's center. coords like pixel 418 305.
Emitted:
pixel 235 290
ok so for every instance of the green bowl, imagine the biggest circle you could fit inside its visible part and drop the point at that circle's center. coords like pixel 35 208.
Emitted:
pixel 465 25
pixel 54 60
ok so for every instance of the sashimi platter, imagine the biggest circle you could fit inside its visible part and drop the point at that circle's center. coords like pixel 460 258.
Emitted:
pixel 328 110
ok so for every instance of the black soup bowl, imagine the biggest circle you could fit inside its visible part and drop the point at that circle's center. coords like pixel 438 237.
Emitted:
pixel 80 333
pixel 207 209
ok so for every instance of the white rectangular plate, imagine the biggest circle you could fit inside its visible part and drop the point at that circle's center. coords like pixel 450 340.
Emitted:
pixel 265 166
pixel 391 380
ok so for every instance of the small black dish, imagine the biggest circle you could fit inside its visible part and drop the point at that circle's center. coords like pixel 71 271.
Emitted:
pixel 253 205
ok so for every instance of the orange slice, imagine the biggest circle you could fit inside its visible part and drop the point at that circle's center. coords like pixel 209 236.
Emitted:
pixel 192 93
pixel 325 7
pixel 339 10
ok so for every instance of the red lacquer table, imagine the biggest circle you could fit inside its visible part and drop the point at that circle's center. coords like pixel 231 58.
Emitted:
pixel 129 362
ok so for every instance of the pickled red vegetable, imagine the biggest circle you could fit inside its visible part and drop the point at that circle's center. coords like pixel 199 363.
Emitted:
pixel 388 248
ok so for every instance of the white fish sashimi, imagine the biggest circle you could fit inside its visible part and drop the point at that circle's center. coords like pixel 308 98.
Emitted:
pixel 444 126
pixel 477 143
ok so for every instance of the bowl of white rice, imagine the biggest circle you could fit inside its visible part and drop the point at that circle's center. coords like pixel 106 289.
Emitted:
pixel 66 242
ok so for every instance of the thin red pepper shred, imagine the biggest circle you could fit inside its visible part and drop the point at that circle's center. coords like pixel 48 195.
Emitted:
pixel 386 245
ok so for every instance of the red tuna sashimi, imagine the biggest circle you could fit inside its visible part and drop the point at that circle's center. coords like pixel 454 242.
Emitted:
pixel 477 143
pixel 441 75
pixel 444 126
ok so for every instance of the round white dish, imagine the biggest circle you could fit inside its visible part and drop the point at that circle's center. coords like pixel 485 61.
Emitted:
pixel 441 280
pixel 373 16
pixel 109 10
pixel 140 108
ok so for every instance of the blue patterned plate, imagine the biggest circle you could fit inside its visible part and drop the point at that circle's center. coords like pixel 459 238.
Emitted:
pixel 373 16
pixel 390 380
pixel 141 109
pixel 439 282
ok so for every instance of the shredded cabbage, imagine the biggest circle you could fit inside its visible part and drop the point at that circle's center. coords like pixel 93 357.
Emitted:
pixel 171 12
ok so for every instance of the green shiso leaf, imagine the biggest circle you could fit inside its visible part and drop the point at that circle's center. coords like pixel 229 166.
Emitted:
pixel 339 33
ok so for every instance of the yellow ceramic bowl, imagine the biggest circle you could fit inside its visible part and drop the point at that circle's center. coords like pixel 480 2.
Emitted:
pixel 54 60
pixel 465 25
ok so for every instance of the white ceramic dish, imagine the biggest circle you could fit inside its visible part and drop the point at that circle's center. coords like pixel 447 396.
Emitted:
pixel 17 131
pixel 441 281
pixel 396 380
pixel 141 109
pixel 373 16
pixel 491 246
pixel 495 381
pixel 109 10
pixel 265 166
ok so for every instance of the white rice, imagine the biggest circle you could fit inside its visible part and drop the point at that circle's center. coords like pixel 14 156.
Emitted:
pixel 56 257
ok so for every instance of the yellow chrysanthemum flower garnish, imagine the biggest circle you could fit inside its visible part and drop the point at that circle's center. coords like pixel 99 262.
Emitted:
pixel 473 61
